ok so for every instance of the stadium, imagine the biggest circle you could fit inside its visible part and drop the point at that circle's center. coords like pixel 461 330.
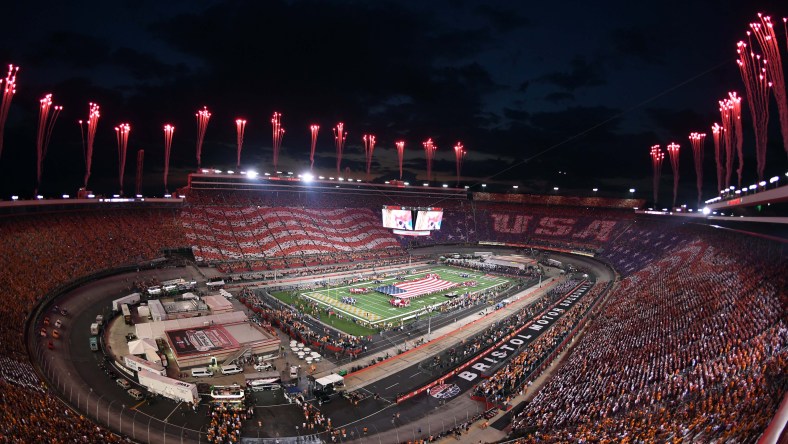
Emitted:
pixel 692 319
pixel 531 287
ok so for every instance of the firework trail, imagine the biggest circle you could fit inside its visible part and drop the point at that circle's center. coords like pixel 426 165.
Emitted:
pixel 87 145
pixel 757 87
pixel 770 47
pixel 314 129
pixel 122 135
pixel 716 132
pixel 340 135
pixel 459 156
pixel 726 112
pixel 429 152
pixel 8 93
pixel 168 130
pixel 673 151
pixel 738 136
pixel 46 123
pixel 697 141
pixel 657 156
pixel 240 125
pixel 369 148
pixel 400 155
pixel 138 182
pixel 278 133
pixel 203 116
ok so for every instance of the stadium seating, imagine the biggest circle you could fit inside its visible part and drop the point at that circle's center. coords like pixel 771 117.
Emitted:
pixel 692 345
pixel 38 253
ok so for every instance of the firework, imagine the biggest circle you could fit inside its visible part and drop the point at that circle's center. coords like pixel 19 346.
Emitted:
pixel 87 145
pixel 8 93
pixel 46 122
pixel 278 133
pixel 657 156
pixel 203 116
pixel 369 148
pixel 673 152
pixel 168 130
pixel 459 156
pixel 738 137
pixel 314 129
pixel 757 87
pixel 138 182
pixel 697 140
pixel 400 155
pixel 726 112
pixel 770 47
pixel 340 135
pixel 716 132
pixel 122 135
pixel 429 152
pixel 240 125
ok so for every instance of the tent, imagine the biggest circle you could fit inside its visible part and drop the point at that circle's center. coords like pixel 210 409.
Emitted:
pixel 332 379
pixel 141 346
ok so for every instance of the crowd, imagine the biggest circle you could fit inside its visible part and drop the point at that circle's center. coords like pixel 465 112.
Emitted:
pixel 283 267
pixel 505 383
pixel 470 347
pixel 38 253
pixel 292 322
pixel 691 347
pixel 228 233
pixel 492 268
pixel 225 424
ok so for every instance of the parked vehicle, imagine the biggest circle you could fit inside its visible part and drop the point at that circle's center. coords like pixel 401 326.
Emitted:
pixel 231 369
pixel 263 367
pixel 136 394
pixel 200 372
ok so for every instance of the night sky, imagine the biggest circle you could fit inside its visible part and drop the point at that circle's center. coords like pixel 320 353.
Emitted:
pixel 567 94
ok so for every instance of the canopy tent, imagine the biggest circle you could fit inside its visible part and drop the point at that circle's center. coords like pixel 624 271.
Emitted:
pixel 141 346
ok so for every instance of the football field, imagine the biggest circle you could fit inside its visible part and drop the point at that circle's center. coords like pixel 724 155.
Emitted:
pixel 374 307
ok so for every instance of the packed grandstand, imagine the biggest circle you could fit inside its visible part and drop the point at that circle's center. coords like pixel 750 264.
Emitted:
pixel 691 344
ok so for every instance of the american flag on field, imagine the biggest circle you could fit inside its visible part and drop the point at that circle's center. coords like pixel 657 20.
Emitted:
pixel 423 286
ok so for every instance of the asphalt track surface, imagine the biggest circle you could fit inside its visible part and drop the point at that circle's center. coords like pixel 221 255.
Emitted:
pixel 76 374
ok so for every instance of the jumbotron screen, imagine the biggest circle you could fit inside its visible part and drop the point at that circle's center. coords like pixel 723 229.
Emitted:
pixel 398 218
pixel 402 219
pixel 428 220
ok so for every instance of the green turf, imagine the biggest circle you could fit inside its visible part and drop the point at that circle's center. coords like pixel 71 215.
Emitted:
pixel 375 308
pixel 344 324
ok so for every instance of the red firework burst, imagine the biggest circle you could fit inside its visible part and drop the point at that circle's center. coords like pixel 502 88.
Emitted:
pixel 429 152
pixel 697 140
pixel 168 131
pixel 314 129
pixel 240 126
pixel 203 116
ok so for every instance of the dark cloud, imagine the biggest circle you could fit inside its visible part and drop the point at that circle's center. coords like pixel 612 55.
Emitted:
pixel 561 96
pixel 71 48
pixel 492 75
pixel 503 19
pixel 581 74
pixel 639 44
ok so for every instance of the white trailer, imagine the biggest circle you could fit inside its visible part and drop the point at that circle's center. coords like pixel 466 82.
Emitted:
pixel 94 329
pixel 131 299
pixel 171 388
pixel 139 364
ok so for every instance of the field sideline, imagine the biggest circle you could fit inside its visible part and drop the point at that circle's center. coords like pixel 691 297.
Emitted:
pixel 374 307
